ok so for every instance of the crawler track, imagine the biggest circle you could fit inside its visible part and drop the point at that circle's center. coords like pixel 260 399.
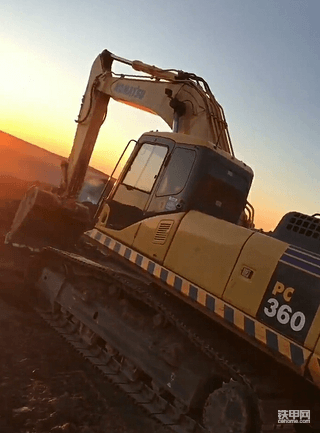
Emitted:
pixel 114 368
pixel 137 384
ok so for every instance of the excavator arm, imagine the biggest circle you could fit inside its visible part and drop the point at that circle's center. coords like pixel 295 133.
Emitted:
pixel 184 101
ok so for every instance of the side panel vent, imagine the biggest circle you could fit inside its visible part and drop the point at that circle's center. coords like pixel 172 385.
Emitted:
pixel 305 225
pixel 162 231
pixel 300 230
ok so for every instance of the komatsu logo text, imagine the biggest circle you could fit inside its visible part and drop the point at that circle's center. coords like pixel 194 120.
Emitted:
pixel 135 92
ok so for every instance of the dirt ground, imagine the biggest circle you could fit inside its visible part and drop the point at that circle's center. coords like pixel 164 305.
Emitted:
pixel 45 385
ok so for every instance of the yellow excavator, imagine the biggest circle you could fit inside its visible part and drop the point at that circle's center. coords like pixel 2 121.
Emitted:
pixel 209 324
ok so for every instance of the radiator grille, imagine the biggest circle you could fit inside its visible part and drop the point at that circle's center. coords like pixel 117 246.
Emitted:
pixel 304 225
pixel 163 231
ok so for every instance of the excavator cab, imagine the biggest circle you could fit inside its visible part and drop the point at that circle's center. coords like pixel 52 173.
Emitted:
pixel 177 174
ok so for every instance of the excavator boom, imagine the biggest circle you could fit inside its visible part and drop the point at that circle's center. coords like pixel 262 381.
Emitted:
pixel 184 101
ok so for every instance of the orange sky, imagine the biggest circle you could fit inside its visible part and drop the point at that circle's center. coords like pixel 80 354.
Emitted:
pixel 41 108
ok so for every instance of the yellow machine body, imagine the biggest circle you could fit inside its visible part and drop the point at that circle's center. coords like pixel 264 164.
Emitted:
pixel 231 273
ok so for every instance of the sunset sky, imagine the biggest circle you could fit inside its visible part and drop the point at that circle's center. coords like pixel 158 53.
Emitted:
pixel 261 59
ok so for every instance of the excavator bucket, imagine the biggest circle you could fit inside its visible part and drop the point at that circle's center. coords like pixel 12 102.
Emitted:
pixel 45 219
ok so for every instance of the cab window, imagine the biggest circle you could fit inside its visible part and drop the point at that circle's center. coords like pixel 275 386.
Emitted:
pixel 145 168
pixel 177 173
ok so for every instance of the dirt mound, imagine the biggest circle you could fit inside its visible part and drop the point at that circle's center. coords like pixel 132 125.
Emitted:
pixel 22 165
pixel 12 188
pixel 25 161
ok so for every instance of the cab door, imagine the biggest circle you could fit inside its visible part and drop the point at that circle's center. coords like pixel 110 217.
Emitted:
pixel 129 202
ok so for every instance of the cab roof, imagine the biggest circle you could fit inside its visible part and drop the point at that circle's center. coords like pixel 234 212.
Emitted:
pixel 191 140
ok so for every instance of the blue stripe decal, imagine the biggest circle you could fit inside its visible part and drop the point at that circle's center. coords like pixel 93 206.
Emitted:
pixel 296 355
pixel 177 283
pixel 193 293
pixel 151 267
pixel 249 326
pixel 303 250
pixel 272 340
pixel 210 302
pixel 107 242
pixel 139 260
pixel 229 314
pixel 302 265
pixel 117 247
pixel 127 253
pixel 164 275
pixel 303 256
